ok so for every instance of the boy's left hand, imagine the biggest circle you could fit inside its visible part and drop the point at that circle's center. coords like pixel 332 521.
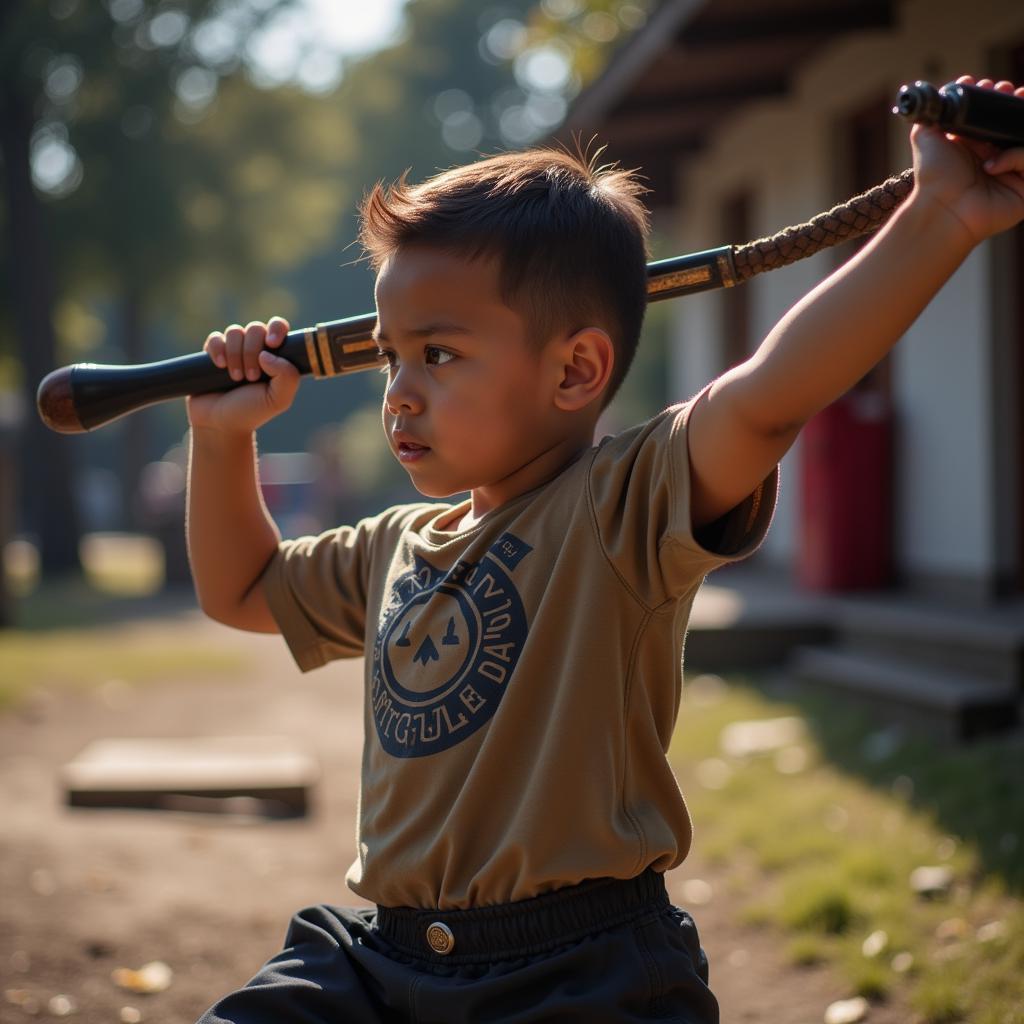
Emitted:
pixel 978 183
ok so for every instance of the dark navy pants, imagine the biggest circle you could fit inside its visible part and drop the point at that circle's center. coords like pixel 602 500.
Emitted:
pixel 602 951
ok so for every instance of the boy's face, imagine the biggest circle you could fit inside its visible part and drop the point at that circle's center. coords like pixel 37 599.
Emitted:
pixel 467 405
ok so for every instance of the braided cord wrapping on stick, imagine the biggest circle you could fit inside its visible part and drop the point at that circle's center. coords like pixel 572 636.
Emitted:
pixel 857 216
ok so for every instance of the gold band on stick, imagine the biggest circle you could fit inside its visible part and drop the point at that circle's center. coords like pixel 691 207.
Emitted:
pixel 326 359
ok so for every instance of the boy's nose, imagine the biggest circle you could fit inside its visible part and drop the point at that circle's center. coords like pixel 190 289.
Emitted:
pixel 401 394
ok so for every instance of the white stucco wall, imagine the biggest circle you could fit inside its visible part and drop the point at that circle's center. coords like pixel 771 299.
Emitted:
pixel 943 439
pixel 781 151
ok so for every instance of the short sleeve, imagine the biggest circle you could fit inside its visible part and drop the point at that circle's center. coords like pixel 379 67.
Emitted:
pixel 316 588
pixel 639 489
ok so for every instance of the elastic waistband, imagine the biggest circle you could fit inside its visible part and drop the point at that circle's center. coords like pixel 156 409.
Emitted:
pixel 524 928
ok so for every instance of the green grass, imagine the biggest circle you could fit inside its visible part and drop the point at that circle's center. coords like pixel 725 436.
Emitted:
pixel 82 659
pixel 71 634
pixel 832 833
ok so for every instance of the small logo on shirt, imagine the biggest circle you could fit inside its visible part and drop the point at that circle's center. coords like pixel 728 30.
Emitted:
pixel 446 649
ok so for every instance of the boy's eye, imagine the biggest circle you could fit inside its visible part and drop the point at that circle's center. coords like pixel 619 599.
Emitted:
pixel 437 356
pixel 388 357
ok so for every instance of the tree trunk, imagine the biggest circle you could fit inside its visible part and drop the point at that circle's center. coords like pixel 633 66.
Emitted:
pixel 47 505
pixel 135 435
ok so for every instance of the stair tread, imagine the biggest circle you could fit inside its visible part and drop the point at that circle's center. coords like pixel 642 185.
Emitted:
pixel 940 626
pixel 922 684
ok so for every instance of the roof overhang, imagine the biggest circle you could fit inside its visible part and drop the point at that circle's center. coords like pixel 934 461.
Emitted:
pixel 697 61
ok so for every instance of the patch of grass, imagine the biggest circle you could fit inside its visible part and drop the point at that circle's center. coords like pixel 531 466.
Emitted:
pixel 832 840
pixel 817 901
pixel 806 950
pixel 73 633
pixel 871 980
pixel 80 659
pixel 939 998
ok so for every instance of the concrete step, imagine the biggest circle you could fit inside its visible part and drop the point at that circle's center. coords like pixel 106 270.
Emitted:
pixel 950 703
pixel 733 630
pixel 976 644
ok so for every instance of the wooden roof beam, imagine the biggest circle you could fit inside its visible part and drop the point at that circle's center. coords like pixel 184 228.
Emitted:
pixel 724 93
pixel 711 33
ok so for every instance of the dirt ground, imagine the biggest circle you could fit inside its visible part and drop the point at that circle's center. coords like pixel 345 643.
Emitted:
pixel 84 892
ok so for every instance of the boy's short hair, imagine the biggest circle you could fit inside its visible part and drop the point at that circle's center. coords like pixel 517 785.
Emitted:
pixel 570 237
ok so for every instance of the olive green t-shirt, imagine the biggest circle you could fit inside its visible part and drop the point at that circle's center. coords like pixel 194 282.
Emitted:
pixel 523 676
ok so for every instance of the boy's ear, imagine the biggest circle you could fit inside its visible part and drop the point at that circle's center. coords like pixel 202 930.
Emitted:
pixel 586 359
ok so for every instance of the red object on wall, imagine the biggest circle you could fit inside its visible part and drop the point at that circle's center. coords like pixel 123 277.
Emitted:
pixel 846 506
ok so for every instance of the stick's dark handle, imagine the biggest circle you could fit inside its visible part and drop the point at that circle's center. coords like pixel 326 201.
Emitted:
pixel 968 110
pixel 84 396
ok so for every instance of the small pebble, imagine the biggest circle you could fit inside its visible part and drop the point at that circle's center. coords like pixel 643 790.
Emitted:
pixel 696 892
pixel 21 962
pixel 992 931
pixel 931 880
pixel 61 1006
pixel 155 976
pixel 875 944
pixel 902 962
pixel 951 929
pixel 130 1015
pixel 847 1011
pixel 761 736
pixel 23 999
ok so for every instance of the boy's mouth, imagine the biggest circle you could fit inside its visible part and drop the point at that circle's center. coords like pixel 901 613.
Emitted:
pixel 409 451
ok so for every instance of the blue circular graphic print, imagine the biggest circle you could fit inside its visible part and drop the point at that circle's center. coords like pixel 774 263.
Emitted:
pixel 446 648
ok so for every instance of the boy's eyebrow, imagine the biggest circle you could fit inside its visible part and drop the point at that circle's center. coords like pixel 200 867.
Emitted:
pixel 438 327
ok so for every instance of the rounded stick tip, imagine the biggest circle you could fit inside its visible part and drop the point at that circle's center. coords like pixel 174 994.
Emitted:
pixel 56 404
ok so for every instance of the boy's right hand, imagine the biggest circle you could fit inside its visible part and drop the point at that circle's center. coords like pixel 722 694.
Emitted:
pixel 245 353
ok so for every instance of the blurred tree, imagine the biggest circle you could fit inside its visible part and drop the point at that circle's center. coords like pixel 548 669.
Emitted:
pixel 141 165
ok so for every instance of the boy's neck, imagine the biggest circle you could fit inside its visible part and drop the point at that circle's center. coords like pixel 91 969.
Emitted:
pixel 537 472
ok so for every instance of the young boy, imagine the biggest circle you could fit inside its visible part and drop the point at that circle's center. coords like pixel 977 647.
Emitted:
pixel 523 646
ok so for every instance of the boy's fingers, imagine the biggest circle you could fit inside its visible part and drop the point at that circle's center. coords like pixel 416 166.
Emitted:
pixel 214 348
pixel 277 329
pixel 1006 160
pixel 284 379
pixel 255 340
pixel 276 367
pixel 234 336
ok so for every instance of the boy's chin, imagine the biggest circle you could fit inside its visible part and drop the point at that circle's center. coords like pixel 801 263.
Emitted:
pixel 435 490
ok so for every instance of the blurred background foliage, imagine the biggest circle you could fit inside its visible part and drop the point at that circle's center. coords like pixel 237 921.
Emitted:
pixel 171 166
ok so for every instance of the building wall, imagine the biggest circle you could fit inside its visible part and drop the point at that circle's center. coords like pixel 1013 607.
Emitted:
pixel 784 152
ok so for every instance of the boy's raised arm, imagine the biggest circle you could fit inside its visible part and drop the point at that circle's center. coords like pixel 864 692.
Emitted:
pixel 231 536
pixel 751 415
